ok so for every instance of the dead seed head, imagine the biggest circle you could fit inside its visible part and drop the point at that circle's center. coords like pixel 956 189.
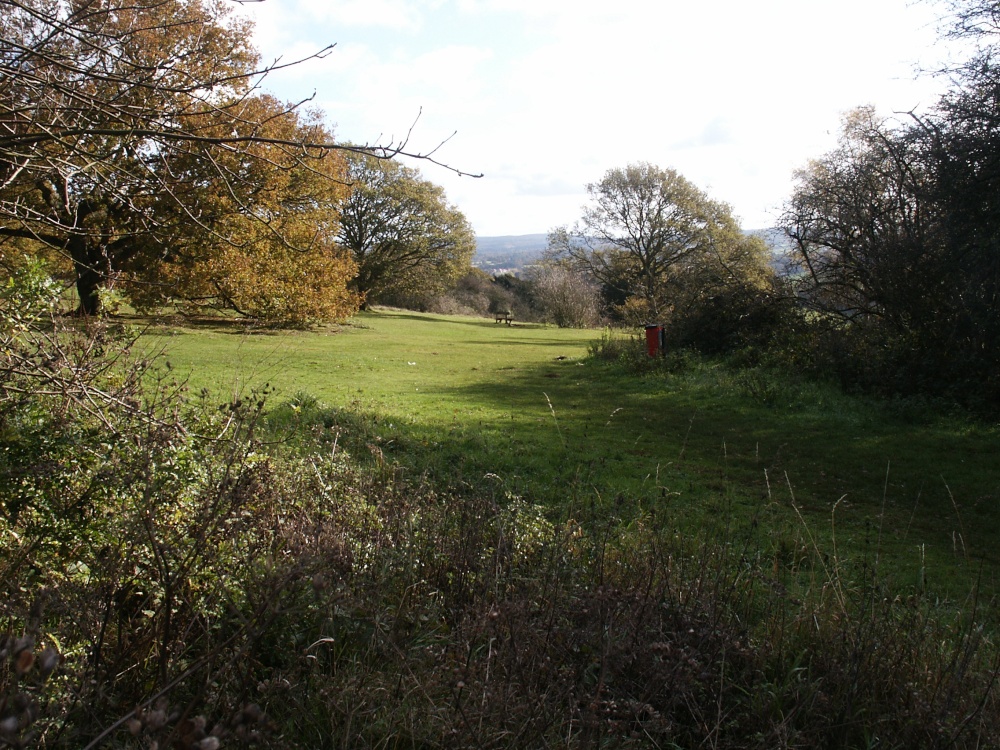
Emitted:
pixel 156 719
pixel 23 662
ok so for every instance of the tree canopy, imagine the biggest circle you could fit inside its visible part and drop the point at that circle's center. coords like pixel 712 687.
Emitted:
pixel 271 253
pixel 657 244
pixel 401 231
pixel 137 151
pixel 865 224
pixel 898 230
pixel 100 106
pixel 642 221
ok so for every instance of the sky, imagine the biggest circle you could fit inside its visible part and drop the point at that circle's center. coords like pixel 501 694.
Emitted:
pixel 544 96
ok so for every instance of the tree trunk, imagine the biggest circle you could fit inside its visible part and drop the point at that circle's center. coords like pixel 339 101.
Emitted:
pixel 87 285
pixel 88 276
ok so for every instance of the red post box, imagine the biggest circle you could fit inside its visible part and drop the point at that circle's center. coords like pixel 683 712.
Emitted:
pixel 654 339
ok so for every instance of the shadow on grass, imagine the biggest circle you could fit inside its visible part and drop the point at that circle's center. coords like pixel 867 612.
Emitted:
pixel 487 322
pixel 214 324
pixel 705 446
pixel 593 441
pixel 922 487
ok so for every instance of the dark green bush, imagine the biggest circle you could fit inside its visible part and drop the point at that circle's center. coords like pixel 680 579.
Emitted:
pixel 733 318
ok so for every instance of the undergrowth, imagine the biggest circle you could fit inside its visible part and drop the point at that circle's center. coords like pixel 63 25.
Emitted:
pixel 765 379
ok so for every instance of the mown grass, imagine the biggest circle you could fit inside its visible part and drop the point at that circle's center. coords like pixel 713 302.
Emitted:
pixel 709 448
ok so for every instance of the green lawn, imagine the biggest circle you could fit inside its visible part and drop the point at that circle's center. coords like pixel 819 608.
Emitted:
pixel 524 410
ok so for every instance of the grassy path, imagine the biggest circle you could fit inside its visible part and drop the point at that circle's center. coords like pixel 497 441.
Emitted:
pixel 522 406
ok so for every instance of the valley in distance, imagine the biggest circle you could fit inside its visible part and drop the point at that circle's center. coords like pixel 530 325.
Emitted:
pixel 514 253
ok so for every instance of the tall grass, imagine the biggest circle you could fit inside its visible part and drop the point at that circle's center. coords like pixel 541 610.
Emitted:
pixel 297 598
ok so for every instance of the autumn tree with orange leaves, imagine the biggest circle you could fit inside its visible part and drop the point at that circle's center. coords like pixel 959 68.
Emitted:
pixel 137 149
pixel 271 251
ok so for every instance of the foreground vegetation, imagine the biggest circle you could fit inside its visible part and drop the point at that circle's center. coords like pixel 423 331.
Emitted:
pixel 477 549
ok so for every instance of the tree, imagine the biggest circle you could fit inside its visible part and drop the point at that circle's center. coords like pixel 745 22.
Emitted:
pixel 647 235
pixel 95 101
pixel 898 230
pixel 643 221
pixel 867 228
pixel 565 296
pixel 963 133
pixel 727 298
pixel 273 254
pixel 401 231
pixel 127 125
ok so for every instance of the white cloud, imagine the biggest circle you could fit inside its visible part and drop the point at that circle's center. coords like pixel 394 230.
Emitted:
pixel 392 14
pixel 548 94
pixel 292 18
pixel 719 131
pixel 545 185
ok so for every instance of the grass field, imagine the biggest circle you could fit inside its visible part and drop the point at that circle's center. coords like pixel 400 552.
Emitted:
pixel 779 465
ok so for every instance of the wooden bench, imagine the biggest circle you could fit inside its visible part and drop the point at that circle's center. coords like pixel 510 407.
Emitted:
pixel 504 317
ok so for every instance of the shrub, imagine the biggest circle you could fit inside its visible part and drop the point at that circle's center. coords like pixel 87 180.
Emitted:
pixel 737 317
pixel 566 298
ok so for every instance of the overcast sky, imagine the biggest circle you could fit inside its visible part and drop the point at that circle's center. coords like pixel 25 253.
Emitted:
pixel 546 95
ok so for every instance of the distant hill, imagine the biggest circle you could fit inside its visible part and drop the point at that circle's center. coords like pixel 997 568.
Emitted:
pixel 508 253
pixel 774 237
pixel 782 250
pixel 512 253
